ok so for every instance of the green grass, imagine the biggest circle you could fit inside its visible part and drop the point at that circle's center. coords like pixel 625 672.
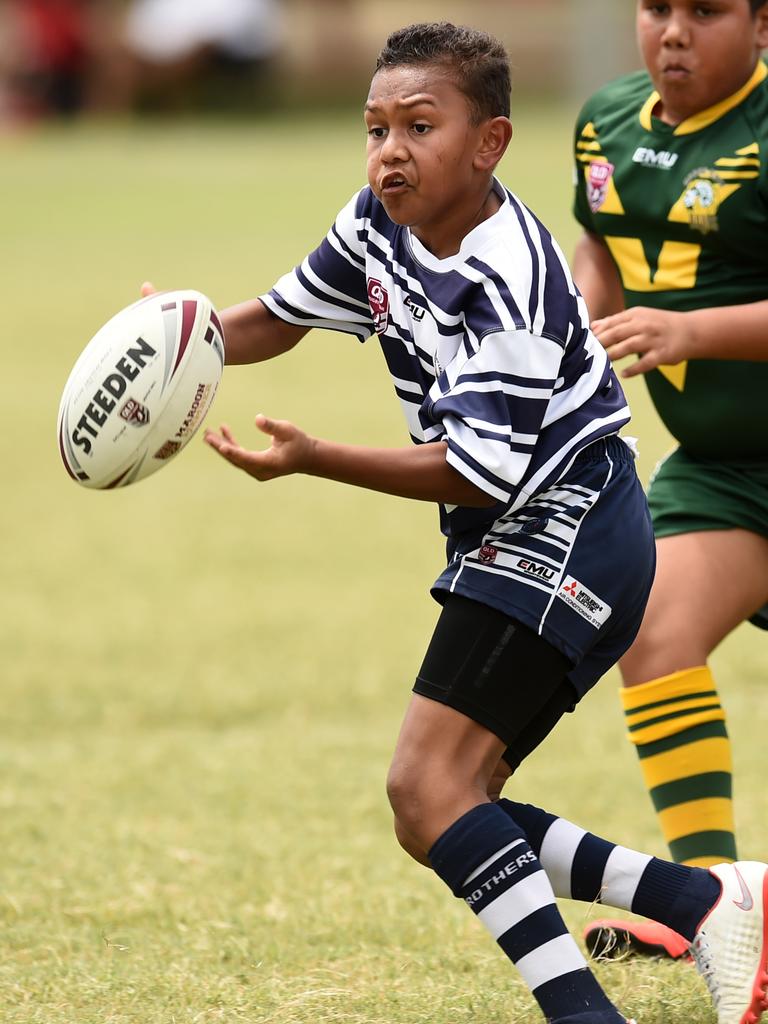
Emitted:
pixel 203 677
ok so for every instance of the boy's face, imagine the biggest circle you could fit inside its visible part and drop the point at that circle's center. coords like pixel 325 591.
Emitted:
pixel 425 155
pixel 699 52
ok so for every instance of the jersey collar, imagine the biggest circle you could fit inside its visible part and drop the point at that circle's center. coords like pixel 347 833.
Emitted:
pixel 470 243
pixel 705 117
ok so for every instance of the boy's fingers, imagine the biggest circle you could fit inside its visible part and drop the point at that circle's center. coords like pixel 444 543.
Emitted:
pixel 212 438
pixel 147 289
pixel 283 430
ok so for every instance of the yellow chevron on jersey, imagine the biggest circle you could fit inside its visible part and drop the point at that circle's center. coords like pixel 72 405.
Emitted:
pixel 676 268
pixel 675 374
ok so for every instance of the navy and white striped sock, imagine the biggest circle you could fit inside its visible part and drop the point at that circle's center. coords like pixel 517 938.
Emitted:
pixel 486 860
pixel 581 866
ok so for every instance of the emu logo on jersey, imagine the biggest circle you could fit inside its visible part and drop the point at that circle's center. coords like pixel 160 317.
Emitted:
pixel 534 569
pixel 378 300
pixel 599 174
pixel 584 602
pixel 664 160
pixel 417 312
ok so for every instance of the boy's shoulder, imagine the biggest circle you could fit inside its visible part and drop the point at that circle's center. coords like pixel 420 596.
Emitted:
pixel 755 105
pixel 622 96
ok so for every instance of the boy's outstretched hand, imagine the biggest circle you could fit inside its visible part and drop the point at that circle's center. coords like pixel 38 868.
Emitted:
pixel 657 336
pixel 291 450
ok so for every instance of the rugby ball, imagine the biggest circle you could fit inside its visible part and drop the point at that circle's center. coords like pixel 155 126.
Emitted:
pixel 140 389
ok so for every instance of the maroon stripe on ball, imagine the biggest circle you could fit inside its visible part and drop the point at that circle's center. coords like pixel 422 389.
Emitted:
pixel 189 312
pixel 63 451
pixel 217 323
pixel 168 305
pixel 116 482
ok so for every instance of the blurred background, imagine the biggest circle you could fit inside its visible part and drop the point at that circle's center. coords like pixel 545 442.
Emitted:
pixel 202 677
pixel 79 57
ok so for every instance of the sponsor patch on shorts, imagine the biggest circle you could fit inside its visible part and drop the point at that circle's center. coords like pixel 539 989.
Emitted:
pixel 584 602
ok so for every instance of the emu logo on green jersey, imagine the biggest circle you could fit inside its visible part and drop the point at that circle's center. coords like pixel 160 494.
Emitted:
pixel 664 160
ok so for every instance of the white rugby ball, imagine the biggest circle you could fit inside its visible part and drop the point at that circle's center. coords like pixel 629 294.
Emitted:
pixel 140 389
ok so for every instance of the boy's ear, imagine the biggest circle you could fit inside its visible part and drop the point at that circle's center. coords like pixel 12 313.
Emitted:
pixel 761 26
pixel 496 136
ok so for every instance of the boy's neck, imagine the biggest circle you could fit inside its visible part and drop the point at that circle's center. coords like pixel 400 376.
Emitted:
pixel 672 112
pixel 445 240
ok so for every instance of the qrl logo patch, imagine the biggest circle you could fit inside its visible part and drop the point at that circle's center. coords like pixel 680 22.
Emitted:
pixel 584 602
pixel 598 178
pixel 135 413
pixel 487 554
pixel 378 300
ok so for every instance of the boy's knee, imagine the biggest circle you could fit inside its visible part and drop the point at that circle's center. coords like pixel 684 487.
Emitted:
pixel 403 791
pixel 422 798
pixel 413 848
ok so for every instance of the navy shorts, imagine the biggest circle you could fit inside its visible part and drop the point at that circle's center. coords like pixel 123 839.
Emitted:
pixel 574 565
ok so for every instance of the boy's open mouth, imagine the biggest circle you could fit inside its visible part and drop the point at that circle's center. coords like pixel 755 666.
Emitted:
pixel 393 183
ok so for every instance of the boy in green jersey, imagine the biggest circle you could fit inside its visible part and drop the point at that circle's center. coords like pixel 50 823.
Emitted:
pixel 672 191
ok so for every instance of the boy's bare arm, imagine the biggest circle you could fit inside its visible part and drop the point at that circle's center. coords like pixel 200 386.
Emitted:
pixel 252 334
pixel 664 338
pixel 661 337
pixel 419 472
pixel 596 276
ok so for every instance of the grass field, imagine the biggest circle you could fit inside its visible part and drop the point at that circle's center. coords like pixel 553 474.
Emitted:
pixel 203 677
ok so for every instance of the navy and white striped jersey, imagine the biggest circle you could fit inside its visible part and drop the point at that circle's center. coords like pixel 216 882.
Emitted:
pixel 489 349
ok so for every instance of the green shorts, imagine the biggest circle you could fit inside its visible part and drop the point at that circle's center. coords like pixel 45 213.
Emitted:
pixel 687 494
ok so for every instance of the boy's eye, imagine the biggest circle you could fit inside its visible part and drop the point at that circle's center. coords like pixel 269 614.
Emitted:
pixel 419 128
pixel 377 132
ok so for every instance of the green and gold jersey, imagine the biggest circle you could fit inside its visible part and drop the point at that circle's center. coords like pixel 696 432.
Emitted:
pixel 684 212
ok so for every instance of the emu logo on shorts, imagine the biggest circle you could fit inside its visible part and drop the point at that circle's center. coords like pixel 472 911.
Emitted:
pixel 598 178
pixel 584 602
pixel 378 300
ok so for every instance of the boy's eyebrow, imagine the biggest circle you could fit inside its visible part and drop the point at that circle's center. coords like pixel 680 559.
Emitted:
pixel 411 101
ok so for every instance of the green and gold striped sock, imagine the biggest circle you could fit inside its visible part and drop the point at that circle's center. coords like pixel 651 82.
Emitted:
pixel 677 724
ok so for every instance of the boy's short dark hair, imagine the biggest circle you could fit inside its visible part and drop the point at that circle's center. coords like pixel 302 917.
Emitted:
pixel 757 4
pixel 480 62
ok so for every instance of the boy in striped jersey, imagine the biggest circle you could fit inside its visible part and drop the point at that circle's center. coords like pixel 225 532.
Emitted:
pixel 671 191
pixel 514 411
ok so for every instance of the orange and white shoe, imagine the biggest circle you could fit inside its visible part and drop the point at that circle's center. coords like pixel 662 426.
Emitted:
pixel 730 948
pixel 608 939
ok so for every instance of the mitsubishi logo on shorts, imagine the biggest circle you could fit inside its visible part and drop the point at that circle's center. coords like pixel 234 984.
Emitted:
pixel 582 601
